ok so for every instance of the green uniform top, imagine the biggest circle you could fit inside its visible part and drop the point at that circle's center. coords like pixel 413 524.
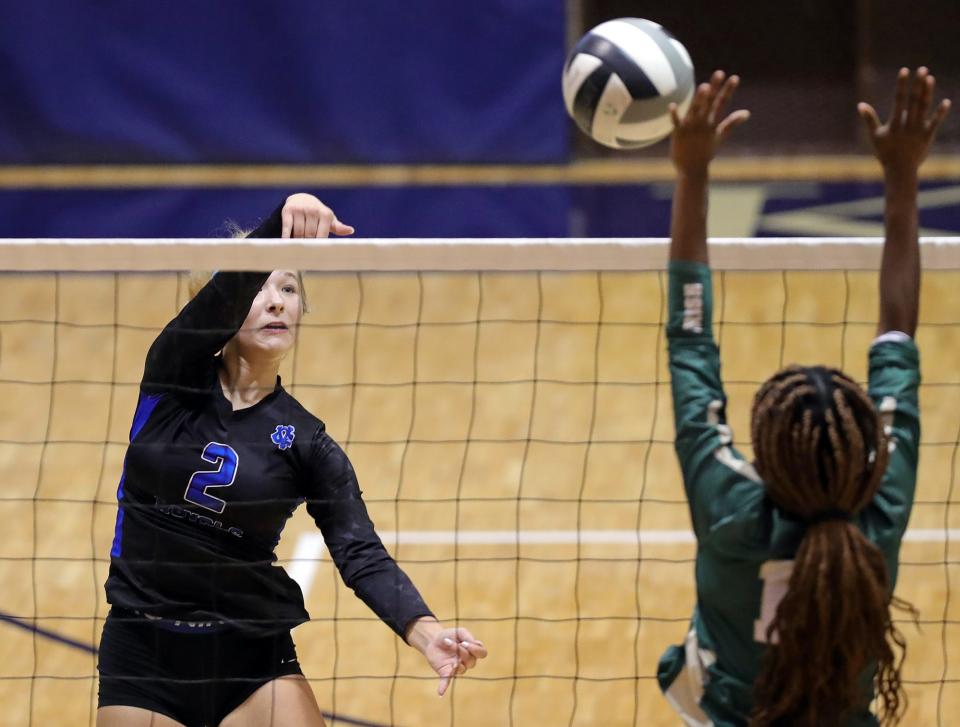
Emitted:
pixel 745 544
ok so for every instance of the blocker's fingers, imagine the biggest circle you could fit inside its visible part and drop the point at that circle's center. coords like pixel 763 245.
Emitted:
pixel 899 114
pixel 674 116
pixel 926 96
pixel 700 103
pixel 716 79
pixel 724 94
pixel 938 116
pixel 731 122
pixel 869 116
pixel 286 217
pixel 916 110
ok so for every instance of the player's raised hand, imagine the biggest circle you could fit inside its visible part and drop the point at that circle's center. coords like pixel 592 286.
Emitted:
pixel 704 127
pixel 903 142
pixel 451 652
pixel 303 215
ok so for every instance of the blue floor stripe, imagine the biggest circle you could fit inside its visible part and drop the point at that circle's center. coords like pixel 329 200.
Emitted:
pixel 46 633
pixel 67 641
pixel 351 720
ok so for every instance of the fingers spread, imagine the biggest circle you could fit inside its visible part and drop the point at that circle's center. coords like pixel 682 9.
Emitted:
pixel 731 122
pixel 899 113
pixel 723 96
pixel 869 116
pixel 716 80
pixel 926 96
pixel 700 103
pixel 674 116
pixel 920 97
pixel 938 116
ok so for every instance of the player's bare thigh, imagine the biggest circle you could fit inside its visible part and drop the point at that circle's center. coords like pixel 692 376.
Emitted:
pixel 284 702
pixel 119 716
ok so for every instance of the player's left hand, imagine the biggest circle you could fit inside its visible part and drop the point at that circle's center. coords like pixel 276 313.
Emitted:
pixel 698 135
pixel 902 143
pixel 451 652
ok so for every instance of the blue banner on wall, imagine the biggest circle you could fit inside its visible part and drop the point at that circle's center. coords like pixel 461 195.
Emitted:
pixel 294 81
pixel 737 210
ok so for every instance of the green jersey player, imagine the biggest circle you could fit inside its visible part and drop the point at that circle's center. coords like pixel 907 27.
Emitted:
pixel 796 552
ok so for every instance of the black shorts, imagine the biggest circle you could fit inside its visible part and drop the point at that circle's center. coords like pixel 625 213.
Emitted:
pixel 194 673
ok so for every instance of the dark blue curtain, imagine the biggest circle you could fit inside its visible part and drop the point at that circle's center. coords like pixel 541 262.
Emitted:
pixel 289 81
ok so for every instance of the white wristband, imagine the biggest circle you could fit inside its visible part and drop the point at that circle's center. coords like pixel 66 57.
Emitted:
pixel 893 336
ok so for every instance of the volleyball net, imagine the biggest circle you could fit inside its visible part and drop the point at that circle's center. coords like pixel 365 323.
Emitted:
pixel 506 406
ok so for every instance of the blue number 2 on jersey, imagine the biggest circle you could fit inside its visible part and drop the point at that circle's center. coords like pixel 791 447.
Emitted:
pixel 226 460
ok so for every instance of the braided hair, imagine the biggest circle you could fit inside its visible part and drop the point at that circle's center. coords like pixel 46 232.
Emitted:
pixel 821 450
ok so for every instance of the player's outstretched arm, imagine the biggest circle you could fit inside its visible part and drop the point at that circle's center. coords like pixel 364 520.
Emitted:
pixel 183 352
pixel 901 145
pixel 696 138
pixel 450 652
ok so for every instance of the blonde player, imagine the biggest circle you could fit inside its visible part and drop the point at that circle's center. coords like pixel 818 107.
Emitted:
pixel 220 456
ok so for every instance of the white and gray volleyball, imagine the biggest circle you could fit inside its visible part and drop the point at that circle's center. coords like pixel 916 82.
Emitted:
pixel 620 79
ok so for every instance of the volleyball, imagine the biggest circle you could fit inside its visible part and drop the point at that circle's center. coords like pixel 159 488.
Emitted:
pixel 620 79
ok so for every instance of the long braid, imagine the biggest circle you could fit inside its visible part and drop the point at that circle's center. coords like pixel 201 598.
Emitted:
pixel 820 447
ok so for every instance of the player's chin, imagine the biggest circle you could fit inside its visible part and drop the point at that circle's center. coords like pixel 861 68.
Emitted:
pixel 275 342
pixel 280 343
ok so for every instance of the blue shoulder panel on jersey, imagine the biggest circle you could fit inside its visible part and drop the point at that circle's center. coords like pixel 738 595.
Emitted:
pixel 145 406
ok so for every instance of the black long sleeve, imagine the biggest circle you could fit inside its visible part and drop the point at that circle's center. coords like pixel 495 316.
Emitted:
pixel 334 501
pixel 182 355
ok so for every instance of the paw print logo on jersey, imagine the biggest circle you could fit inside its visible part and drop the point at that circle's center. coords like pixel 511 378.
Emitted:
pixel 283 436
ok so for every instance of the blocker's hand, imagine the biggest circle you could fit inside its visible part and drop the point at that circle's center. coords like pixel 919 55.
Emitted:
pixel 698 135
pixel 303 215
pixel 902 143
pixel 451 652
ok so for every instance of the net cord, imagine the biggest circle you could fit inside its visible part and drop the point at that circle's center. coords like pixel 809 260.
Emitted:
pixel 442 254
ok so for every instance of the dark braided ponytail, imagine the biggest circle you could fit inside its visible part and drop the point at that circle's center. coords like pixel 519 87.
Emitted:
pixel 821 451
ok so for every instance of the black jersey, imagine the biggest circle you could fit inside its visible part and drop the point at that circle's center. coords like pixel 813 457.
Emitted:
pixel 206 490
